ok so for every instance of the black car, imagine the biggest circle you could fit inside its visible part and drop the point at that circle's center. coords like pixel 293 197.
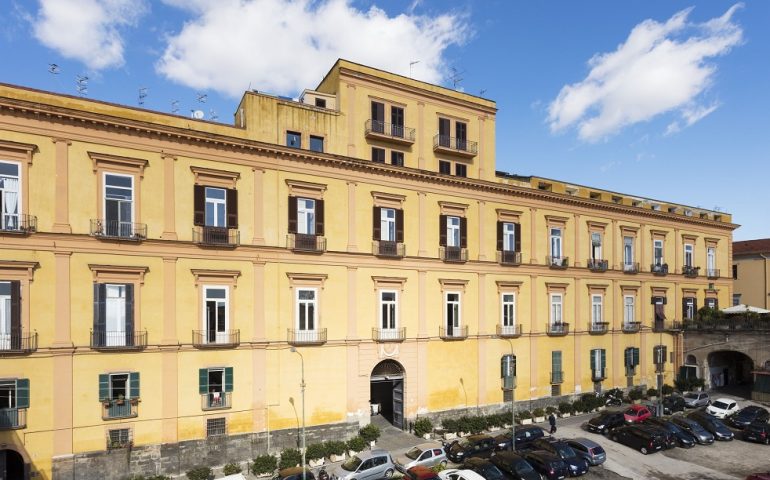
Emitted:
pixel 547 464
pixel 747 415
pixel 514 466
pixel 683 438
pixel 525 435
pixel 702 436
pixel 639 438
pixel 471 446
pixel 669 439
pixel 294 473
pixel 673 403
pixel 485 468
pixel 577 465
pixel 712 424
pixel 606 421
pixel 757 432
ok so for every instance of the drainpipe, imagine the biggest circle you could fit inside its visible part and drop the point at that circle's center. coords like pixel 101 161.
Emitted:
pixel 765 279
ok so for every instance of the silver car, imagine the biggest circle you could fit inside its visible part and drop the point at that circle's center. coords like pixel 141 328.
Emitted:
pixel 696 399
pixel 587 449
pixel 427 454
pixel 371 465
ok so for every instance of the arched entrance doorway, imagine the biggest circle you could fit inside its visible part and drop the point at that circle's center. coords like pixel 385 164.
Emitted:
pixel 386 391
pixel 729 368
pixel 12 466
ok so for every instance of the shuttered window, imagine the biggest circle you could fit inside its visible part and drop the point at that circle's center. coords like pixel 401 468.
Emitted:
pixel 113 314
pixel 215 207
pixel 212 380
pixel 556 361
pixel 13 394
pixel 508 237
pixel 631 356
pixel 306 216
pixel 10 315
pixel 113 385
pixel 598 362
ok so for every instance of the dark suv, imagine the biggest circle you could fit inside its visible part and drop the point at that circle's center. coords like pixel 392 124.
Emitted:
pixel 606 421
pixel 547 464
pixel 757 432
pixel 683 438
pixel 577 465
pixel 472 446
pixel 514 466
pixel 745 416
pixel 525 435
pixel 639 438
pixel 702 436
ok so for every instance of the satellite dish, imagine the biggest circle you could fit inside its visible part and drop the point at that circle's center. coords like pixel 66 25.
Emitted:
pixel 198 114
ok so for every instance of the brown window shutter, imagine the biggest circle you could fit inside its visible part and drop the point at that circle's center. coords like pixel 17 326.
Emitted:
pixel 376 229
pixel 684 307
pixel 232 208
pixel 15 314
pixel 500 236
pixel 199 205
pixel 292 214
pixel 463 232
pixel 442 230
pixel 517 234
pixel 400 226
pixel 319 218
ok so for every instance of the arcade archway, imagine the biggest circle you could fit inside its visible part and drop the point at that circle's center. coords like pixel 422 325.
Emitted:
pixel 387 391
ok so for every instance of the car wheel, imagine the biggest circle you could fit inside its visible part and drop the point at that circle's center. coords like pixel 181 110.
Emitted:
pixel 614 438
pixel 643 450
pixel 605 431
pixel 389 473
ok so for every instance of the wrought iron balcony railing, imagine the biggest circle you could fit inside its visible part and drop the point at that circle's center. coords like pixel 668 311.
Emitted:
pixel 596 265
pixel 712 273
pixel 120 408
pixel 598 375
pixel 389 334
pixel 598 328
pixel 453 333
pixel 13 418
pixel 384 248
pixel 116 230
pixel 689 271
pixel 631 268
pixel 302 242
pixel 306 337
pixel 214 339
pixel 559 263
pixel 18 343
pixel 508 331
pixel 216 237
pixel 659 269
pixel 731 323
pixel 557 329
pixel 108 340
pixel 389 131
pixel 632 327
pixel 18 223
pixel 557 377
pixel 508 257
pixel 216 400
pixel 453 254
pixel 667 326
pixel 445 143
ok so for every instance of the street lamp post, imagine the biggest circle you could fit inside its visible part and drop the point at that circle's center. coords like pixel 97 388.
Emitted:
pixel 508 372
pixel 659 358
pixel 302 389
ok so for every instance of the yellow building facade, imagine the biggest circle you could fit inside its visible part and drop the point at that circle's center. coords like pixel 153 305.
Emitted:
pixel 156 270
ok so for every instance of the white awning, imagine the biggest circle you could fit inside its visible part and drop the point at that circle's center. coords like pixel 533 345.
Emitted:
pixel 744 309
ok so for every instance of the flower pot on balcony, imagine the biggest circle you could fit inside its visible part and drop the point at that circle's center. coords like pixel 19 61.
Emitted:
pixel 134 401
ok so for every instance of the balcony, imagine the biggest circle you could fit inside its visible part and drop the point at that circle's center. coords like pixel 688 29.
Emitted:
pixel 508 257
pixel 106 340
pixel 659 269
pixel 212 339
pixel 596 265
pixel 631 268
pixel 712 273
pixel 306 337
pixel 18 224
pixel 667 326
pixel 453 333
pixel 508 331
pixel 16 343
pixel 557 329
pixel 305 243
pixel 730 323
pixel 632 327
pixel 216 400
pixel 598 375
pixel 557 263
pixel 456 146
pixel 387 249
pixel 216 237
pixel 453 254
pixel 380 130
pixel 598 328
pixel 120 408
pixel 389 334
pixel 13 418
pixel 557 377
pixel 115 230
pixel 689 271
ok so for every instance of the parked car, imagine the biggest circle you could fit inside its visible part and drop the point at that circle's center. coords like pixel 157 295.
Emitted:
pixel 683 438
pixel 427 454
pixel 712 425
pixel 456 474
pixel 591 451
pixel 696 399
pixel 606 421
pixel 673 403
pixel 577 465
pixel 757 432
pixel 421 472
pixel 547 464
pixel 369 465
pixel 514 466
pixel 638 438
pixel 485 468
pixel 525 434
pixel 669 439
pixel 294 473
pixel 722 407
pixel 747 415
pixel 759 476
pixel 471 446
pixel 702 436
pixel 637 413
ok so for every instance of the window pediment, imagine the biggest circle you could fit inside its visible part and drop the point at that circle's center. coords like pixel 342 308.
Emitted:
pixel 452 208
pixel 452 284
pixel 116 163
pixel 396 283
pixel 388 200
pixel 17 150
pixel 227 277
pixel 215 178
pixel 508 215
pixel 299 188
pixel 118 273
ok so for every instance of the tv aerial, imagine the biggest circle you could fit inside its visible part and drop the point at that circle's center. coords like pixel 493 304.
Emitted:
pixel 411 64
pixel 213 115
pixel 54 68
pixel 81 84
pixel 202 97
pixel 175 106
pixel 456 77
pixel 142 95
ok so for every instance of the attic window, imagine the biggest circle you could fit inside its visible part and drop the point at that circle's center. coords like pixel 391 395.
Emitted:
pixel 717 218
pixel 671 209
pixel 544 186
pixel 320 102
pixel 616 199
pixel 688 213
pixel 655 207
pixel 596 196
pixel 636 203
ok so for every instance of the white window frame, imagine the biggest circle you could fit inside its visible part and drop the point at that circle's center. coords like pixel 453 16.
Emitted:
pixel 19 199
pixel 127 396
pixel 392 307
pixel 690 303
pixel 597 308
pixel 133 194
pixel 689 254
pixel 596 249
pixel 220 336
pixel 629 309
pixel 557 308
pixel 388 224
pixel 215 202
pixel 453 231
pixel 628 252
pixel 509 237
pixel 117 306
pixel 306 216
pixel 555 245
pixel 300 302
pixel 508 305
pixel 711 260
pixel 657 244
pixel 449 304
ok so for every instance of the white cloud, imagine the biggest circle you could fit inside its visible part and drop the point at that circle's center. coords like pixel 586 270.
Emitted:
pixel 661 67
pixel 87 30
pixel 284 46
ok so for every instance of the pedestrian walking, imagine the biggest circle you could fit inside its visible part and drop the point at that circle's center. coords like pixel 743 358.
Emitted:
pixel 552 421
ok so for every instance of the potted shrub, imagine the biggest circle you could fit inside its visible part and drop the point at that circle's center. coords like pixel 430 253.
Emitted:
pixel 335 450
pixel 450 427
pixel 355 445
pixel 565 409
pixel 423 427
pixel 315 454
pixel 370 434
pixel 578 407
pixel 290 457
pixel 539 415
pixel 635 395
pixel 525 417
pixel 121 400
pixel 264 465
pixel 199 473
pixel 667 389
pixel 231 469
pixel 652 393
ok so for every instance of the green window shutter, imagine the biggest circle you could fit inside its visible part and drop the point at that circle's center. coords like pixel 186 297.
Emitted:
pixel 22 393
pixel 228 379
pixel 556 361
pixel 104 387
pixel 604 359
pixel 203 381
pixel 593 359
pixel 635 356
pixel 133 380
pixel 628 357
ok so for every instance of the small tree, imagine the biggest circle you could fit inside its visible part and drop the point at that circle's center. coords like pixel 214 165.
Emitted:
pixel 565 407
pixel 231 469
pixel 357 444
pixel 450 425
pixel 334 447
pixel 523 414
pixel 315 451
pixel 370 433
pixel 635 394
pixel 538 412
pixel 550 409
pixel 667 389
pixel 422 426
pixel 290 457
pixel 652 392
pixel 263 465
pixel 199 473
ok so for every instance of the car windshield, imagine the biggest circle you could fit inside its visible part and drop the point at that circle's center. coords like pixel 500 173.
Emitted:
pixel 565 451
pixel 413 453
pixel 490 472
pixel 352 463
pixel 720 405
pixel 523 467
pixel 691 396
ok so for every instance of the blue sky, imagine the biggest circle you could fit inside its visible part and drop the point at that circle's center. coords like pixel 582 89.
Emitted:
pixel 660 99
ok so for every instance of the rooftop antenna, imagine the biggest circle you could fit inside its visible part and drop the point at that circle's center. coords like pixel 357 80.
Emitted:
pixel 202 97
pixel 175 106
pixel 142 95
pixel 82 84
pixel 411 64
pixel 54 68
pixel 456 78
pixel 482 92
pixel 213 115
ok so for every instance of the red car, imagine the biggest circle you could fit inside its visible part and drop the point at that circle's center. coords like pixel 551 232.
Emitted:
pixel 637 413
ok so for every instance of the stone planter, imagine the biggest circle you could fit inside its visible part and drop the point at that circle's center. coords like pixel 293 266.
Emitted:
pixel 526 421
pixel 539 419
pixel 449 436
pixel 654 398
pixel 371 444
pixel 426 436
pixel 507 426
pixel 578 412
pixel 351 453
pixel 637 402
pixel 565 415
pixel 336 458
pixel 601 409
pixel 316 463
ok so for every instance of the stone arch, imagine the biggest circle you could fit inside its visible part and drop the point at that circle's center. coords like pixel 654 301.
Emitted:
pixel 387 382
pixel 729 368
pixel 691 360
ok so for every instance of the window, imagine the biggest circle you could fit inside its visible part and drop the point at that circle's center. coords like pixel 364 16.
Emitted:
pixel 461 170
pixel 598 362
pixel 388 224
pixel 388 309
pixel 631 360
pixel 629 309
pixel 10 196
pixel 116 390
pixel 118 438
pixel 293 139
pixel 378 117
pixel 712 303
pixel 596 246
pixel 444 167
pixel 556 371
pixel 306 216
pixel 510 238
pixel 688 255
pixel 14 395
pixel 453 231
pixel 461 134
pixel 555 243
pixel 10 315
pixel 118 205
pixel 216 204
pixel 596 309
pixel 689 307
pixel 657 252
pixel 628 252
pixel 316 143
pixel 444 132
pixel 320 102
pixel 397 158
pixel 735 272
pixel 378 155
pixel 452 313
pixel 736 299
pixel 216 427
pixel 508 320
pixel 397 121
pixel 214 384
pixel 556 390
pixel 114 314
pixel 711 261
pixel 216 209
pixel 306 309
pixel 215 314
pixel 556 308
